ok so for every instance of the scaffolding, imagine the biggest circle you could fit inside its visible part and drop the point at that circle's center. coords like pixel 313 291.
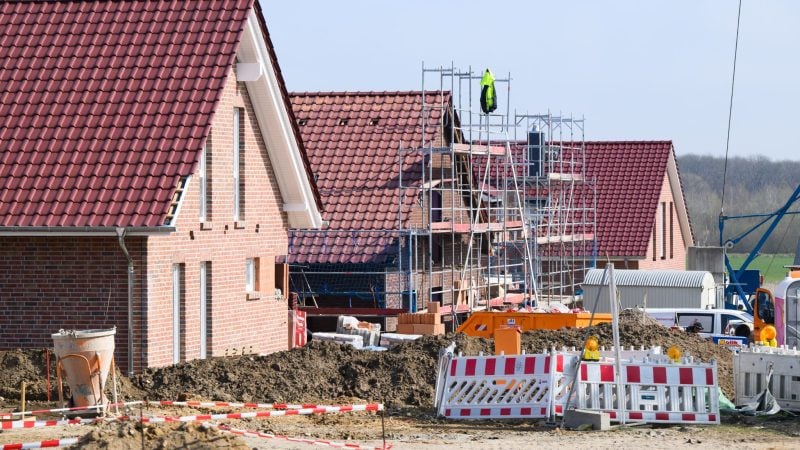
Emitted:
pixel 561 202
pixel 486 218
pixel 476 253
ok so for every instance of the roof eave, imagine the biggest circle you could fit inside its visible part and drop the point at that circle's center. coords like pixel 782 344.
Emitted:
pixel 301 200
pixel 85 231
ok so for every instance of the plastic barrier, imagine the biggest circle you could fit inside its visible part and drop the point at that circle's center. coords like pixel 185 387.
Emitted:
pixel 653 392
pixel 656 390
pixel 750 368
pixel 483 387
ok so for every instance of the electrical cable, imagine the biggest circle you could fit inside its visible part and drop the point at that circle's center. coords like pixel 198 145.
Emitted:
pixel 730 111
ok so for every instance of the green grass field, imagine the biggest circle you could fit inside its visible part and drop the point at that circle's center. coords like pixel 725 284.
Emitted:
pixel 771 266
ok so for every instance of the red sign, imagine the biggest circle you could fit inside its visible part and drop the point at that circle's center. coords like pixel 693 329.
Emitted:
pixel 297 328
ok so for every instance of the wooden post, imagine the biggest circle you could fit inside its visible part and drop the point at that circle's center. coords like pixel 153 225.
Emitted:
pixel 22 401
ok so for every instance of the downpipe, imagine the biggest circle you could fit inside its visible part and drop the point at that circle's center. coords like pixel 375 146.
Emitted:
pixel 121 238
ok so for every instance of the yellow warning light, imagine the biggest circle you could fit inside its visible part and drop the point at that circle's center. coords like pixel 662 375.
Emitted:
pixel 591 351
pixel 674 353
pixel 768 335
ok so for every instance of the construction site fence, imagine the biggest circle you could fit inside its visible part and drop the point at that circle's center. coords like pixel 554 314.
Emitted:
pixel 751 367
pixel 645 386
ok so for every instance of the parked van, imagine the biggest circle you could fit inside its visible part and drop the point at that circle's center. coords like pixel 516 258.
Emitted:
pixel 723 326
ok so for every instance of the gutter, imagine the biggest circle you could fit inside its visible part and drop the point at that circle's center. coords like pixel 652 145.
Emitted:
pixel 84 231
pixel 121 236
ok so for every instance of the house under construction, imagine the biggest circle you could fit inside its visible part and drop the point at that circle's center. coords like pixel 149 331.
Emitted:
pixel 429 199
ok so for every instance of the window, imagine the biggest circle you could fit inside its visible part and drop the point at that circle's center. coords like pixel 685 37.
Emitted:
pixel 205 285
pixel 663 230
pixel 705 321
pixel 177 298
pixel 671 231
pixel 238 163
pixel 252 282
pixel 205 187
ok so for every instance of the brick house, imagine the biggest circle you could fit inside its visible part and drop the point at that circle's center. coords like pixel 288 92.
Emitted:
pixel 147 146
pixel 642 220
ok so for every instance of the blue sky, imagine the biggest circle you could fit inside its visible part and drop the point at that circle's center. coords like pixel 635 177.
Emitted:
pixel 634 69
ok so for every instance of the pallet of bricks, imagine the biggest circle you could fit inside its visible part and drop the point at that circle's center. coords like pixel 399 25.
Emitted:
pixel 429 323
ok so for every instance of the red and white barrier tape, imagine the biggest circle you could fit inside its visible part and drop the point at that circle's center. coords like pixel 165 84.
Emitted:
pixel 11 415
pixel 257 414
pixel 348 445
pixel 213 404
pixel 41 444
pixel 17 424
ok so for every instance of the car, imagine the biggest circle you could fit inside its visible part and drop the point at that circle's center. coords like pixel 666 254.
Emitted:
pixel 724 326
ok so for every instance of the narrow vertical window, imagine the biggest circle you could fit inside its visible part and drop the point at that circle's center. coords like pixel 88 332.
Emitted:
pixel 177 297
pixel 203 185
pixel 238 164
pixel 671 230
pixel 252 282
pixel 203 308
pixel 663 230
pixel 655 231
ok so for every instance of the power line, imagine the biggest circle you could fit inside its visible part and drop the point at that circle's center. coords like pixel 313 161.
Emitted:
pixel 730 110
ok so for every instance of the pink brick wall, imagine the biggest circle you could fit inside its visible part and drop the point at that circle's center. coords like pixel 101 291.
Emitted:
pixel 236 322
pixel 674 258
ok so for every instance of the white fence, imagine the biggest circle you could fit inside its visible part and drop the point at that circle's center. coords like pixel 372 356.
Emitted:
pixel 750 367
pixel 656 390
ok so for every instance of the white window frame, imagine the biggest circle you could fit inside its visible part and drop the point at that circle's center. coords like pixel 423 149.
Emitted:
pixel 250 275
pixel 236 149
pixel 203 185
pixel 176 313
pixel 203 306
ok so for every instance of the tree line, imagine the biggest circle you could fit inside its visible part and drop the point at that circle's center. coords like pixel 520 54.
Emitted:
pixel 755 185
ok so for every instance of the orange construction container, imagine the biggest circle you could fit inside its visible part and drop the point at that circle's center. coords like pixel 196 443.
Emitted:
pixel 485 323
pixel 507 340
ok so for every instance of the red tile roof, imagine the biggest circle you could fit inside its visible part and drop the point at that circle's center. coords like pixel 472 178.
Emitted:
pixel 104 106
pixel 629 176
pixel 353 140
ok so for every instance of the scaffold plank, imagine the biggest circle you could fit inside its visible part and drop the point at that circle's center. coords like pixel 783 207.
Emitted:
pixel 446 227
pixel 565 238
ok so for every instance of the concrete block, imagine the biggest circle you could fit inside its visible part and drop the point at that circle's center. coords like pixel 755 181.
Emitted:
pixel 575 418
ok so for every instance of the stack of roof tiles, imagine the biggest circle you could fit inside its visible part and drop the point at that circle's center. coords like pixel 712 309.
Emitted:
pixel 104 106
pixel 353 142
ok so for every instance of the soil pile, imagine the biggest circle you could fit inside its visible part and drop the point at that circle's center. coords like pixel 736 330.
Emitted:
pixel 129 436
pixel 401 377
pixel 30 366
pixel 324 372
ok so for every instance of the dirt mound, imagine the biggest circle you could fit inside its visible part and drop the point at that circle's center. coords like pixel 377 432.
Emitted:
pixel 319 372
pixel 400 377
pixel 324 372
pixel 31 366
pixel 129 436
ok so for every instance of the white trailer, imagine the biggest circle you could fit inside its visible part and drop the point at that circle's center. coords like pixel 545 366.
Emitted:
pixel 652 289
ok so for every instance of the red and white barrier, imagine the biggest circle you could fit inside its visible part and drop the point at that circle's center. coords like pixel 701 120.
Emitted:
pixel 320 442
pixel 483 387
pixel 655 389
pixel 213 404
pixel 11 415
pixel 258 414
pixel 52 443
pixel 19 424
pixel 653 392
